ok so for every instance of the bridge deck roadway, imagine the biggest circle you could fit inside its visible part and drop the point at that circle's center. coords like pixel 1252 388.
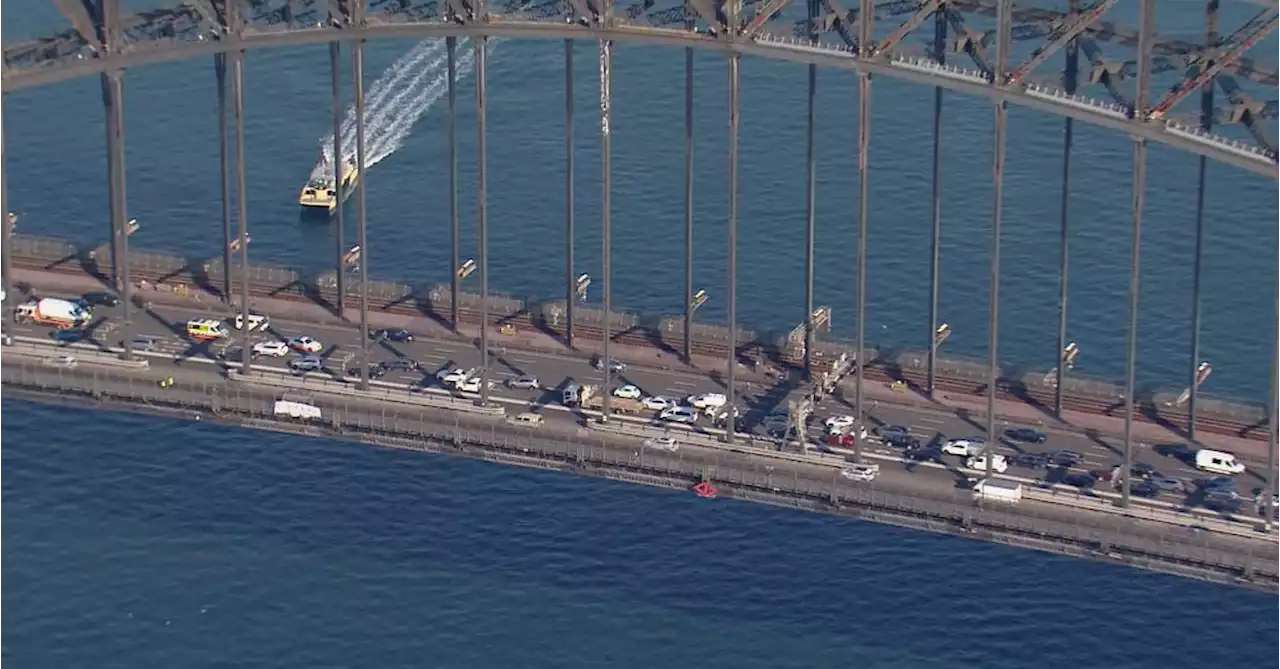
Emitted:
pixel 654 371
pixel 563 433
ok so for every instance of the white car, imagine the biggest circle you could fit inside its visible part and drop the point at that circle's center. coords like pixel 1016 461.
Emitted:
pixel 964 447
pixel 999 464
pixel 455 376
pixel 273 349
pixel 678 415
pixel 839 423
pixel 662 444
pixel 705 400
pixel 445 372
pixel 471 385
pixel 305 344
pixel 861 472
pixel 660 403
pixel 628 391
pixel 256 322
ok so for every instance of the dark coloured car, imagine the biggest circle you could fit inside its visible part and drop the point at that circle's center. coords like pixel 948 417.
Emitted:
pixel 925 454
pixel 1167 483
pixel 69 335
pixel 1081 480
pixel 1182 452
pixel 1065 458
pixel 99 299
pixel 1142 469
pixel 1223 501
pixel 885 430
pixel 399 365
pixel 144 343
pixel 1217 483
pixel 375 371
pixel 901 440
pixel 396 335
pixel 1144 489
pixel 615 366
pixel 1026 434
pixel 1029 460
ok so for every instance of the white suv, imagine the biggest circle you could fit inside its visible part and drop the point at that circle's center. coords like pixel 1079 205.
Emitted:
pixel 274 349
pixel 964 447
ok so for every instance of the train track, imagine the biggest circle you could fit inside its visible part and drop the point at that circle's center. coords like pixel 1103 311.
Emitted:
pixel 1145 410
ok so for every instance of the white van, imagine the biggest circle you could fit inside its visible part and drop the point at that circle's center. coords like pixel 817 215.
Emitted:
pixel 1218 462
pixel 998 490
pixel 570 395
pixel 999 464
pixel 707 400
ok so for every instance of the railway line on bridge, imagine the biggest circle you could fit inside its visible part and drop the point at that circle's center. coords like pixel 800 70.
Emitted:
pixel 649 333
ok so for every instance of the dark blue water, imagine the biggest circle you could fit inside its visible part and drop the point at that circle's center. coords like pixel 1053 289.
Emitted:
pixel 140 542
pixel 208 547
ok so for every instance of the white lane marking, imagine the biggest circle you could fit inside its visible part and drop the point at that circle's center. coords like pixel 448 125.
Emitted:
pixel 687 384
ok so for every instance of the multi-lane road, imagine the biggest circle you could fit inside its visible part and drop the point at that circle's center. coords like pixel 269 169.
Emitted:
pixel 342 352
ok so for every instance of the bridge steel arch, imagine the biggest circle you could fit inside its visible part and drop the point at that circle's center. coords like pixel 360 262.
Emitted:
pixel 104 43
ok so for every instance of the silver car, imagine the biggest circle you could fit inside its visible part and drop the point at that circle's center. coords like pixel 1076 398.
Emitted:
pixel 526 381
pixel 306 363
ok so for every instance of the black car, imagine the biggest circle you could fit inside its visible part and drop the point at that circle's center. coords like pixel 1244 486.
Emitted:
pixel 1065 458
pixel 399 365
pixel 1145 489
pixel 1029 460
pixel 1081 480
pixel 901 440
pixel 69 335
pixel 1182 452
pixel 1026 434
pixel 101 299
pixel 375 371
pixel 1142 470
pixel 925 454
pixel 396 335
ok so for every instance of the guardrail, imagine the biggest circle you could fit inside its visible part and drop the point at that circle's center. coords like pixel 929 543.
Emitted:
pixel 23 346
pixel 381 392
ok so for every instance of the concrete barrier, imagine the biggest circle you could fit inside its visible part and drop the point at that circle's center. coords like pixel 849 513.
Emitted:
pixel 634 430
pixel 1219 525
pixel 382 392
pixel 85 354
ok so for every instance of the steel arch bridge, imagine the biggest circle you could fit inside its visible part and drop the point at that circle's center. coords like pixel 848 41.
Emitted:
pixel 985 48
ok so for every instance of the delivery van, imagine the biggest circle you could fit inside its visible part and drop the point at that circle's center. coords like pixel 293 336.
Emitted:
pixel 1218 462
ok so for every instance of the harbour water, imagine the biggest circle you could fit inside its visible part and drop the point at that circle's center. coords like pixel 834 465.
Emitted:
pixel 139 542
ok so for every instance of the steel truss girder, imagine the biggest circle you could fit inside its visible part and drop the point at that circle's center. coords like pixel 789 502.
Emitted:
pixel 969 41
pixel 1063 33
pixel 925 10
pixel 1247 111
pixel 842 22
pixel 1249 34
pixel 770 9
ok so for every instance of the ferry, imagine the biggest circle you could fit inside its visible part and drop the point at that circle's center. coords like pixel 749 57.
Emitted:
pixel 319 193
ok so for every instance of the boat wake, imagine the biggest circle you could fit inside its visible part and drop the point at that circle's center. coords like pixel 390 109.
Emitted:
pixel 409 88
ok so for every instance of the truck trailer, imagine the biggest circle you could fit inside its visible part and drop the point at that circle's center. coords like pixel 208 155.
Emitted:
pixel 53 311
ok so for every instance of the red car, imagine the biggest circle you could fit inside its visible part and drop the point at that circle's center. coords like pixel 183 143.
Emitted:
pixel 840 439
